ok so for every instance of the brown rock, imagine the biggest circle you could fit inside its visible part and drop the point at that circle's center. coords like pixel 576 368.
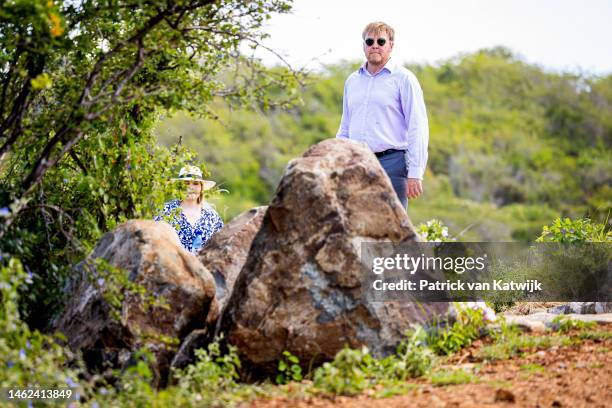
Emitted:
pixel 151 256
pixel 301 288
pixel 224 255
pixel 502 395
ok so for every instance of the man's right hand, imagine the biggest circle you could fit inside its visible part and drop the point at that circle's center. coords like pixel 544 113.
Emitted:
pixel 414 188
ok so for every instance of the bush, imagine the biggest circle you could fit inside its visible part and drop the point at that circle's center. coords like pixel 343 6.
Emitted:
pixel 564 324
pixel 580 230
pixel 349 373
pixel 414 357
pixel 434 231
pixel 217 371
pixel 469 326
pixel 28 358
pixel 353 371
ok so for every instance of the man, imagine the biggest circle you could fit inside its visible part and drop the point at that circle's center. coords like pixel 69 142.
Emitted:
pixel 383 106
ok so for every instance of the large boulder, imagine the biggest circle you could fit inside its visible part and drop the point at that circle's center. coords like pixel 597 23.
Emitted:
pixel 160 294
pixel 226 252
pixel 224 256
pixel 303 284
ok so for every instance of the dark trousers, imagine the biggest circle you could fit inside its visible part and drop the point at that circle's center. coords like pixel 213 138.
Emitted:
pixel 395 166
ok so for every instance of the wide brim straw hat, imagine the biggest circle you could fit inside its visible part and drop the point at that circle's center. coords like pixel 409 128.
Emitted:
pixel 193 173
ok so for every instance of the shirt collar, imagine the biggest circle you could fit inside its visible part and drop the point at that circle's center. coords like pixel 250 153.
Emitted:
pixel 389 66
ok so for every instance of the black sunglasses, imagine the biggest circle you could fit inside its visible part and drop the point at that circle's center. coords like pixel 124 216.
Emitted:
pixel 370 42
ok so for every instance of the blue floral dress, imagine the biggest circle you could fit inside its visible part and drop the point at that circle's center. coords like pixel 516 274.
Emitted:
pixel 193 237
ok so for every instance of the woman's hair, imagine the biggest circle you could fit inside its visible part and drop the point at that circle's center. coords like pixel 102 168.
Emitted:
pixel 201 196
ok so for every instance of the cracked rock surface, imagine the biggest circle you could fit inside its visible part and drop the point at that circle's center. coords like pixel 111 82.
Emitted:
pixel 302 286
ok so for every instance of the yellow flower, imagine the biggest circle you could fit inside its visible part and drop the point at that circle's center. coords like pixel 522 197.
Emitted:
pixel 42 81
pixel 56 25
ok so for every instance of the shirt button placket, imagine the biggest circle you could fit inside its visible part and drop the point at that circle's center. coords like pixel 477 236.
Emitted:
pixel 366 104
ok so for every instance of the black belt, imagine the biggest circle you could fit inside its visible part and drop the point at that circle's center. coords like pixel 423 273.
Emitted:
pixel 386 152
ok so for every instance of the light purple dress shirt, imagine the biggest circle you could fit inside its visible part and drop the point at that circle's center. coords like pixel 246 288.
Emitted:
pixel 387 111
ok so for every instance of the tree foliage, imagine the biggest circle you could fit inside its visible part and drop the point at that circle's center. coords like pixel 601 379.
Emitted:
pixel 81 86
pixel 72 71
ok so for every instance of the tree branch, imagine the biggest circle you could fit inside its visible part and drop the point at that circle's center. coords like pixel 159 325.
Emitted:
pixel 78 161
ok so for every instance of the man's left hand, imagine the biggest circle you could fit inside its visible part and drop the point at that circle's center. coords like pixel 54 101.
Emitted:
pixel 414 188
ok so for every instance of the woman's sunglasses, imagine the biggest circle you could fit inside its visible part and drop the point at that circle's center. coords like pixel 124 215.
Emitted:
pixel 370 42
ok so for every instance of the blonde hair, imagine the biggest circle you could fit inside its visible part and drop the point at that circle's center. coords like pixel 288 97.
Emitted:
pixel 378 27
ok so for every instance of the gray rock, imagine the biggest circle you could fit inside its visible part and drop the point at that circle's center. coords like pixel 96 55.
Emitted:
pixel 302 286
pixel 582 308
pixel 538 322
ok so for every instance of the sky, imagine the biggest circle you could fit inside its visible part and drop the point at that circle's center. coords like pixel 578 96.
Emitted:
pixel 558 35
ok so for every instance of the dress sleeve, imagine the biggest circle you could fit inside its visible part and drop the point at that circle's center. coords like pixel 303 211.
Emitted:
pixel 160 214
pixel 218 223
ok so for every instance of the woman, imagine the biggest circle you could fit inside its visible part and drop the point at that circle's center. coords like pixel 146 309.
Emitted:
pixel 195 221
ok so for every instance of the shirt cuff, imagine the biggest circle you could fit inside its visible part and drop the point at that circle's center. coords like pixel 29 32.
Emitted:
pixel 416 172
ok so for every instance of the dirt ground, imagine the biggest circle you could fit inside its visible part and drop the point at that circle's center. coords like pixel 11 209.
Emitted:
pixel 573 376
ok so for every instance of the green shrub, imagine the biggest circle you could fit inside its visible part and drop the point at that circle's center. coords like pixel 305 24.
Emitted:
pixel 564 324
pixel 510 346
pixel 414 357
pixel 595 335
pixel 434 231
pixel 353 371
pixel 28 358
pixel 570 260
pixel 288 369
pixel 469 326
pixel 349 373
pixel 565 230
pixel 217 371
pixel 571 271
pixel 133 387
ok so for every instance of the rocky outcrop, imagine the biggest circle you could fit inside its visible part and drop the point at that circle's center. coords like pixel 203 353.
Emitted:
pixel 157 296
pixel 224 255
pixel 302 286
pixel 542 321
pixel 582 308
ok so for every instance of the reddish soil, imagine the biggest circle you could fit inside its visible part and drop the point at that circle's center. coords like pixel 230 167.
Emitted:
pixel 574 376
